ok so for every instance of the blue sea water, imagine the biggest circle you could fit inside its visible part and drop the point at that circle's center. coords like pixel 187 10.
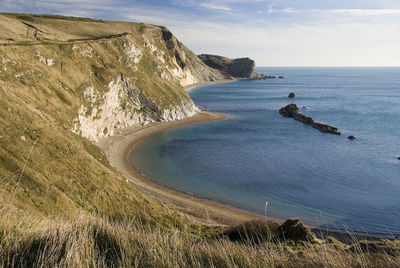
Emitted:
pixel 257 155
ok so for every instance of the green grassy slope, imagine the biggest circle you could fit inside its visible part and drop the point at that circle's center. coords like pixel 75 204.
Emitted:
pixel 38 104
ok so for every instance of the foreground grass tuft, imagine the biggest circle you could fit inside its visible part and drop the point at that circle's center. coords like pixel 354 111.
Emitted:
pixel 90 240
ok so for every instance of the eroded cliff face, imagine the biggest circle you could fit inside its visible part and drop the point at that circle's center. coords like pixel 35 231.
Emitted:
pixel 123 105
pixel 131 74
pixel 192 69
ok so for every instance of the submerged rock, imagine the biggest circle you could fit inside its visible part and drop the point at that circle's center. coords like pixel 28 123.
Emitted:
pixel 281 77
pixel 291 111
pixel 291 95
pixel 351 137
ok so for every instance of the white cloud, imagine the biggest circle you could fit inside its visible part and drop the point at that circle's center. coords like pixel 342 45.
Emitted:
pixel 221 5
pixel 285 10
pixel 366 12
pixel 214 6
pixel 349 12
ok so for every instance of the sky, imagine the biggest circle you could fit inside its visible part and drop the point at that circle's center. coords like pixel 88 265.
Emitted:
pixel 272 32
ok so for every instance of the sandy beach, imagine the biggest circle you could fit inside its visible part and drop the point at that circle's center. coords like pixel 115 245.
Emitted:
pixel 201 210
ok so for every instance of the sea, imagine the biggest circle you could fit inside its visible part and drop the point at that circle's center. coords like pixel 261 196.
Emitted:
pixel 257 156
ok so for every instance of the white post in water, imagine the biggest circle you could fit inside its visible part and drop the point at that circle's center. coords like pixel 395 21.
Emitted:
pixel 265 211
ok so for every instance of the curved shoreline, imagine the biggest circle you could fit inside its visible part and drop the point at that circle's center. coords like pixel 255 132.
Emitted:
pixel 200 209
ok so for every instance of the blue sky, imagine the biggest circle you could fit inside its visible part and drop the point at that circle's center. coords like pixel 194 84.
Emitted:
pixel 273 32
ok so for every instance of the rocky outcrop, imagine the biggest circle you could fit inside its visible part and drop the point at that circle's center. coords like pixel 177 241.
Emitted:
pixel 351 137
pixel 293 229
pixel 291 111
pixel 241 68
pixel 291 95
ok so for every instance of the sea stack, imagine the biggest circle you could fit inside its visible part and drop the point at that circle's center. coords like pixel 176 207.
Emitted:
pixel 291 111
pixel 291 95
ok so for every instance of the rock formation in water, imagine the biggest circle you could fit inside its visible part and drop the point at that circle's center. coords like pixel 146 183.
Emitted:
pixel 291 95
pixel 241 68
pixel 351 137
pixel 291 111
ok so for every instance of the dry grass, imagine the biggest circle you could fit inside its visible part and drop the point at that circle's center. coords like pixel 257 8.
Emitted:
pixel 59 28
pixel 38 103
pixel 93 241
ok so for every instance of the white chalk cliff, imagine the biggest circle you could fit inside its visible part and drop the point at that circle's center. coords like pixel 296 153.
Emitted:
pixel 125 101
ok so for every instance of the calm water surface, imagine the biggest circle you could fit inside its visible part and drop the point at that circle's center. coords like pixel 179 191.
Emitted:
pixel 257 155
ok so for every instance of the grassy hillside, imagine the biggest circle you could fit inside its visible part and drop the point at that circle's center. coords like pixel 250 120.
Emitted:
pixel 52 28
pixel 39 103
pixel 62 204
